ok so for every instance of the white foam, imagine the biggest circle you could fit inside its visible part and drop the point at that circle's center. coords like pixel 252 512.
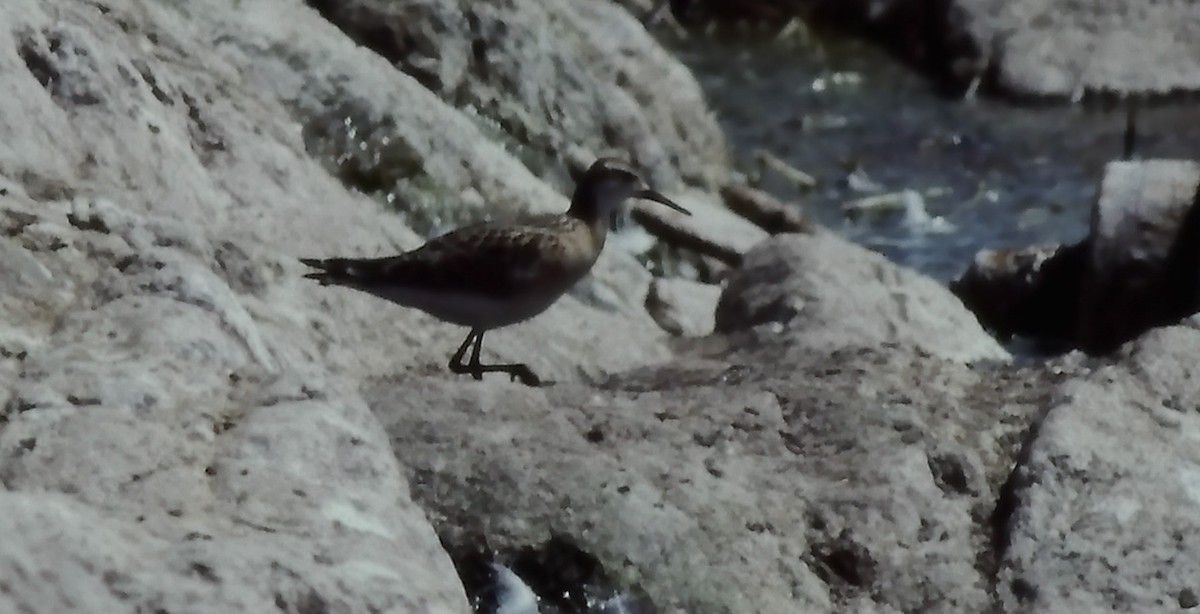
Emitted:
pixel 513 595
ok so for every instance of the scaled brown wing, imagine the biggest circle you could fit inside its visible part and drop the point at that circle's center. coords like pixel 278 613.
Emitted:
pixel 498 262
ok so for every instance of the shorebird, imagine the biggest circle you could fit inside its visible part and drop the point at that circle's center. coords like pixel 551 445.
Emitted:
pixel 490 275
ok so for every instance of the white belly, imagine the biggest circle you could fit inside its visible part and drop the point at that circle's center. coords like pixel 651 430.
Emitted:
pixel 472 310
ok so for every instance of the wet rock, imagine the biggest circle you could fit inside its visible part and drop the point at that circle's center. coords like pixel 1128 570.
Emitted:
pixel 1106 499
pixel 554 577
pixel 825 293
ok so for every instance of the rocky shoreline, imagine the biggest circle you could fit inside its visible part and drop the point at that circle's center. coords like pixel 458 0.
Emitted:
pixel 1039 51
pixel 187 425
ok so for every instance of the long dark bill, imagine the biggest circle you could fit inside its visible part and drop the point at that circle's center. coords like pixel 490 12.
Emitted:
pixel 649 194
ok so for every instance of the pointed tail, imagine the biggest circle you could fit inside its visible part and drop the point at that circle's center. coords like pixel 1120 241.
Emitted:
pixel 339 271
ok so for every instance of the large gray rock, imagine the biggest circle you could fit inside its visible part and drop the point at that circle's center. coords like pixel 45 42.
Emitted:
pixel 825 293
pixel 782 479
pixel 1105 502
pixel 160 451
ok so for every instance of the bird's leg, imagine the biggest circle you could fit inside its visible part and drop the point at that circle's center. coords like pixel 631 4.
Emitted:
pixel 456 364
pixel 516 371
pixel 476 371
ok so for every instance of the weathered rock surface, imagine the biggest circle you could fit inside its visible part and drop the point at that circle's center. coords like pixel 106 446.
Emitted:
pixel 1105 501
pixel 162 449
pixel 773 480
pixel 830 294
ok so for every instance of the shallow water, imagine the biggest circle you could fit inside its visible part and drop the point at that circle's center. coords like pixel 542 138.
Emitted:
pixel 995 174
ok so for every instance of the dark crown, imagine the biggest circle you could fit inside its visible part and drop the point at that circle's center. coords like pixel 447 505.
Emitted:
pixel 605 168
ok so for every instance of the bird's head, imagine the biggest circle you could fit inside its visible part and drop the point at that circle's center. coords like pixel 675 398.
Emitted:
pixel 606 184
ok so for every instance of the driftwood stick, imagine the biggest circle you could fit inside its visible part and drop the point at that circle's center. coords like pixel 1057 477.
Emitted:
pixel 764 210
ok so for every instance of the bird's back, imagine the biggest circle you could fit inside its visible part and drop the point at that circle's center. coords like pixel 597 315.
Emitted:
pixel 500 260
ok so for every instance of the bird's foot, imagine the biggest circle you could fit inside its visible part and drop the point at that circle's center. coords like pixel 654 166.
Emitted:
pixel 526 376
pixel 517 372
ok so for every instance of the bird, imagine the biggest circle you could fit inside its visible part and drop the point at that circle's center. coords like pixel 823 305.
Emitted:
pixel 490 275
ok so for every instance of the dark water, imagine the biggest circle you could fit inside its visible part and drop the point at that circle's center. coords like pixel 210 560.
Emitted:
pixel 996 174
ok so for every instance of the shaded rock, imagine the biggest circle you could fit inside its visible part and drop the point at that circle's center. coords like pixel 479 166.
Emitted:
pixel 1106 501
pixel 554 577
pixel 683 307
pixel 825 293
pixel 1139 268
pixel 1032 292
pixel 929 34
pixel 1143 268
